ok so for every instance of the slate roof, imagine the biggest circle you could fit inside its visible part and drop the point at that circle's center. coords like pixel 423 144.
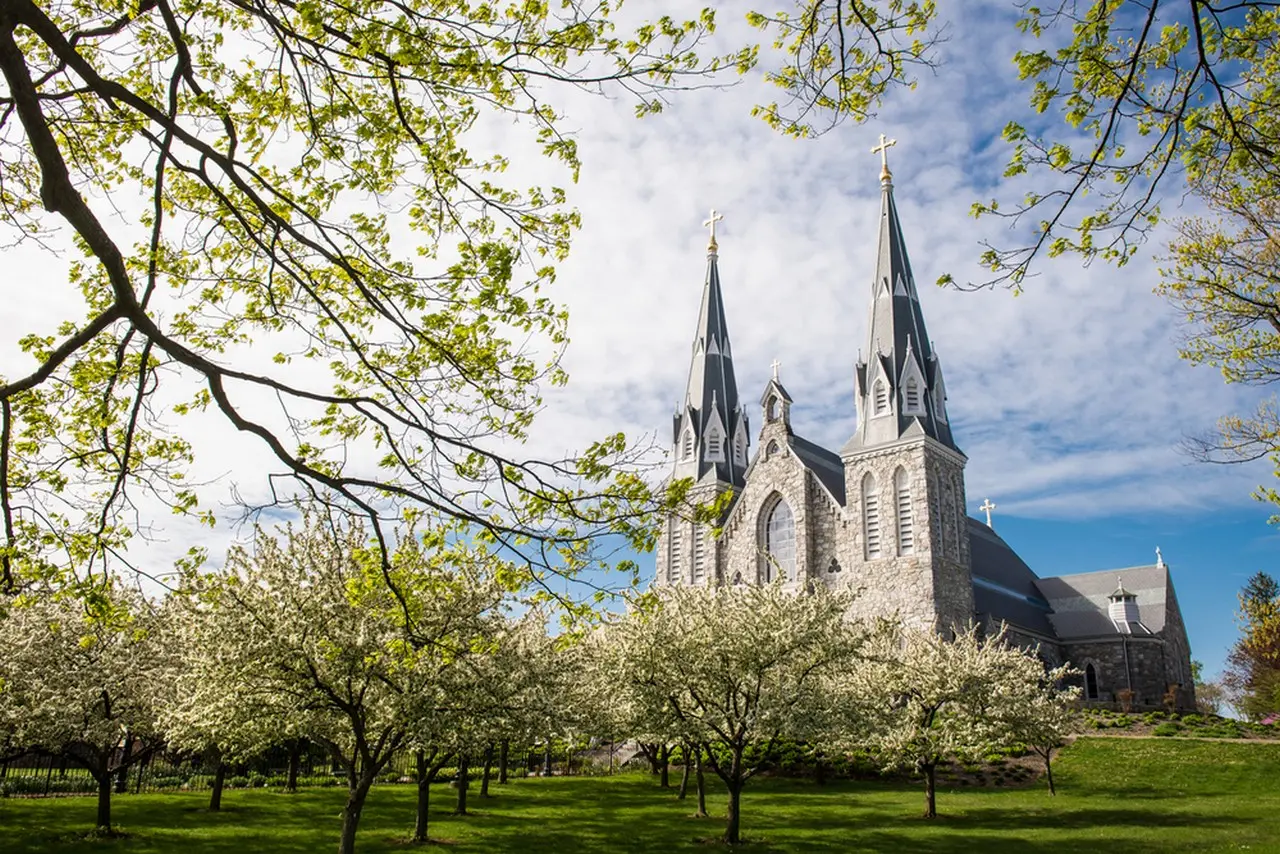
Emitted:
pixel 1080 601
pixel 826 466
pixel 897 343
pixel 712 392
pixel 1004 587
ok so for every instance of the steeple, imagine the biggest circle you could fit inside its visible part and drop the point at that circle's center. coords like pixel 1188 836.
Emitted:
pixel 710 429
pixel 899 385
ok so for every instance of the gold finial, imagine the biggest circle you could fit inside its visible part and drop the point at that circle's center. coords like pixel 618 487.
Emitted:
pixel 712 246
pixel 882 149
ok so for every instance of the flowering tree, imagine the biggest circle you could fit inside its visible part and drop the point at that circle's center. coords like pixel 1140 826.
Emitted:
pixel 727 668
pixel 925 698
pixel 308 630
pixel 84 687
pixel 1037 709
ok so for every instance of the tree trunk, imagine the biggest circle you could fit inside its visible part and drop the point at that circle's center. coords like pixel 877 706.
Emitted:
pixel 295 759
pixel 701 781
pixel 546 761
pixel 464 782
pixel 488 767
pixel 122 776
pixel 930 800
pixel 664 767
pixel 426 776
pixel 357 792
pixel 104 799
pixel 219 779
pixel 504 747
pixel 684 777
pixel 1048 772
pixel 650 752
pixel 732 830
pixel 819 769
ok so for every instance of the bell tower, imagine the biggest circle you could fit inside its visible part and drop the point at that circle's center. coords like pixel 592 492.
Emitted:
pixel 904 474
pixel 710 436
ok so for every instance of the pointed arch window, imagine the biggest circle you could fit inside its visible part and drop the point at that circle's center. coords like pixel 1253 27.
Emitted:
pixel 686 445
pixel 871 516
pixel 950 538
pixel 699 556
pixel 912 397
pixel 771 450
pixel 779 541
pixel 880 395
pixel 676 553
pixel 906 527
pixel 1090 682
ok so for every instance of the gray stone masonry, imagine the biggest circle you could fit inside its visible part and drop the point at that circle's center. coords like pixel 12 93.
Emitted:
pixel 933 584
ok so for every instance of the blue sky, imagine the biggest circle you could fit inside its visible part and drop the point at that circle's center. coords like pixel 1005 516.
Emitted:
pixel 1069 400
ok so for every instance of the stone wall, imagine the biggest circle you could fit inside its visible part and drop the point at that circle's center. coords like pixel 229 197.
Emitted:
pixel 933 583
pixel 1177 650
pixel 1146 667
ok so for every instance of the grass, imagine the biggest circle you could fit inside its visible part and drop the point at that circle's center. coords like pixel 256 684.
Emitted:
pixel 1131 794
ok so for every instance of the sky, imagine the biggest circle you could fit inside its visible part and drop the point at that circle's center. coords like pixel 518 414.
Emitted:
pixel 1070 400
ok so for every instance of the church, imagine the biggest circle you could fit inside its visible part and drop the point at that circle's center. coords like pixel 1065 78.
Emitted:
pixel 887 514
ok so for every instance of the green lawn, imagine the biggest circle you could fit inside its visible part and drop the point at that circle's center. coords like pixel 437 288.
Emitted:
pixel 1116 794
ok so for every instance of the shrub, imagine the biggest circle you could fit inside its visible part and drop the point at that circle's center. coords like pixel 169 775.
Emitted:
pixel 1193 720
pixel 172 781
pixel 1166 729
pixel 237 782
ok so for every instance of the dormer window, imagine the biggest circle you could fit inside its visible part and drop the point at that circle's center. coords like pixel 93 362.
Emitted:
pixel 740 449
pixel 686 451
pixel 715 445
pixel 880 394
pixel 912 398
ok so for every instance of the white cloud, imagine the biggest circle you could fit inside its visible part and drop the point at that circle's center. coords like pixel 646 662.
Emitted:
pixel 1070 400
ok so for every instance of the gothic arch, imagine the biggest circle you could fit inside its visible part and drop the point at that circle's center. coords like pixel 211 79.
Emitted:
pixel 776 539
pixel 871 516
pixel 902 512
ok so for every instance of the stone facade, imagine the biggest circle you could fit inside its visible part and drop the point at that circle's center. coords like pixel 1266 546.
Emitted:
pixel 887 516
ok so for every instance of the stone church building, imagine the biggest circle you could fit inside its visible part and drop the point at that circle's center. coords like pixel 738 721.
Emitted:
pixel 887 513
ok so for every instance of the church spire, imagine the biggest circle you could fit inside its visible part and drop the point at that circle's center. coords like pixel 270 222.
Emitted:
pixel 710 429
pixel 899 386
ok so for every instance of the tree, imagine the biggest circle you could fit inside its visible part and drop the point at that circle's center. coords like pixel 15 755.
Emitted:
pixel 206 716
pixel 252 274
pixel 1253 666
pixel 82 687
pixel 924 698
pixel 1210 696
pixel 726 669
pixel 841 58
pixel 1036 709
pixel 1161 91
pixel 305 627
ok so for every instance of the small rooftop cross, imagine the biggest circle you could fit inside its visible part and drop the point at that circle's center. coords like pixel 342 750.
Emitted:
pixel 1159 559
pixel 988 506
pixel 776 364
pixel 711 223
pixel 883 150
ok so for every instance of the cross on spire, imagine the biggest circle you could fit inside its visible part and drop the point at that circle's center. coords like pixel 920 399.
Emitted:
pixel 988 506
pixel 883 150
pixel 775 365
pixel 711 223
